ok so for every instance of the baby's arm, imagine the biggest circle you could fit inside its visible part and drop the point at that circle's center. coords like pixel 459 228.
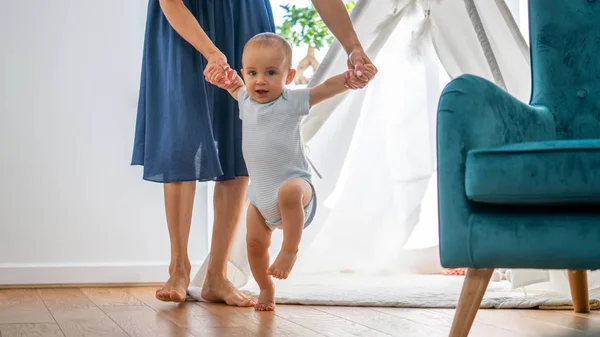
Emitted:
pixel 333 86
pixel 329 88
pixel 235 86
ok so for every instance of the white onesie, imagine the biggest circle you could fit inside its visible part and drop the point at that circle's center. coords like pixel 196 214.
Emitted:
pixel 273 149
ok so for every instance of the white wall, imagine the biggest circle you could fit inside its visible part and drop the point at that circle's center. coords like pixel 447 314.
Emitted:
pixel 72 209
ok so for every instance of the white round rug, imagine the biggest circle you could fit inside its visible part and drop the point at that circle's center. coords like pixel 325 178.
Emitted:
pixel 408 291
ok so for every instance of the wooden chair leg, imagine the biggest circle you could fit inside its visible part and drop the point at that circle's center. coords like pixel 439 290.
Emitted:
pixel 473 289
pixel 579 290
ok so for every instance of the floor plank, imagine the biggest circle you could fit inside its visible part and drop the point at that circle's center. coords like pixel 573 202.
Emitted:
pixel 261 324
pixel 77 315
pixel 329 325
pixel 593 315
pixel 557 319
pixel 516 321
pixel 23 306
pixel 110 296
pixel 221 332
pixel 441 320
pixel 30 330
pixel 384 322
pixel 142 321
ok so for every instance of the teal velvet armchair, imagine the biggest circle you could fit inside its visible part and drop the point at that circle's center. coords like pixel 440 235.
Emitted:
pixel 519 184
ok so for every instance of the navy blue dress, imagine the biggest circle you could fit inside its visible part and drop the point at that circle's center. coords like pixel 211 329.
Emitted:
pixel 188 129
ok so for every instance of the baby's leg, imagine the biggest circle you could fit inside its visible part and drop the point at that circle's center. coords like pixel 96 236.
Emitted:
pixel 258 240
pixel 293 197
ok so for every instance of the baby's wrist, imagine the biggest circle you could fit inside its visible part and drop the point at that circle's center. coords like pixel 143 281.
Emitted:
pixel 235 88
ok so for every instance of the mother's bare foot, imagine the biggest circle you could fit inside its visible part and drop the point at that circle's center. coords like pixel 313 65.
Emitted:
pixel 282 266
pixel 175 290
pixel 222 290
pixel 266 300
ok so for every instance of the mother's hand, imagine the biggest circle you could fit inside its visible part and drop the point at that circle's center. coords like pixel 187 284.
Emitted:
pixel 361 75
pixel 218 71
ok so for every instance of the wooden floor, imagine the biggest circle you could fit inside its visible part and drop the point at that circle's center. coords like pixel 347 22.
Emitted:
pixel 135 312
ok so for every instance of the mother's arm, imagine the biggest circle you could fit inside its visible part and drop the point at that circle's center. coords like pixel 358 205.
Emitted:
pixel 335 16
pixel 186 25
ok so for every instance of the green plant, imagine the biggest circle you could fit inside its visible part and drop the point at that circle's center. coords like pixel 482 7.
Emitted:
pixel 302 25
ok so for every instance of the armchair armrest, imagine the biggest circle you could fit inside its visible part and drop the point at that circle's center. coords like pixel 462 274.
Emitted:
pixel 475 113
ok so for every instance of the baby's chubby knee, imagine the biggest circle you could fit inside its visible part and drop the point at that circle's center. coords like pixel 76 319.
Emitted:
pixel 256 244
pixel 290 194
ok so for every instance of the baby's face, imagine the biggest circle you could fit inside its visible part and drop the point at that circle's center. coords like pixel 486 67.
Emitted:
pixel 265 73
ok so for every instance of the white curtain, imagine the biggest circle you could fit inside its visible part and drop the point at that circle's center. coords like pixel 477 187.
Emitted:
pixel 376 147
pixel 377 155
pixel 382 141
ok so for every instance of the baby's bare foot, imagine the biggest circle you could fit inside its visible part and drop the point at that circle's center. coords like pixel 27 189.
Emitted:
pixel 282 266
pixel 266 299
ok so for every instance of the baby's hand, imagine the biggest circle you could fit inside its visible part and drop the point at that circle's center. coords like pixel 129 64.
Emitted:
pixel 220 77
pixel 368 69
pixel 236 82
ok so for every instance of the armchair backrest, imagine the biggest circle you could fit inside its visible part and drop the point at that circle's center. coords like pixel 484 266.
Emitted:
pixel 565 60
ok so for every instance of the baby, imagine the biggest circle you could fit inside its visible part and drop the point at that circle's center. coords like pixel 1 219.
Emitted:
pixel 281 192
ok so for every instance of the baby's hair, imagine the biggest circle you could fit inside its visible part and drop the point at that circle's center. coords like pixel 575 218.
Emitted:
pixel 272 40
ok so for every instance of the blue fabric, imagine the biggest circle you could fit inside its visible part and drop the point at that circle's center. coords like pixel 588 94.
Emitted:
pixel 562 172
pixel 476 115
pixel 530 237
pixel 186 128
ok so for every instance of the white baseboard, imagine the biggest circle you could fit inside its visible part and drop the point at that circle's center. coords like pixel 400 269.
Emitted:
pixel 82 274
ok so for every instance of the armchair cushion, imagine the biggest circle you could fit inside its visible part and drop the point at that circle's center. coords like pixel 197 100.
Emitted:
pixel 549 172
